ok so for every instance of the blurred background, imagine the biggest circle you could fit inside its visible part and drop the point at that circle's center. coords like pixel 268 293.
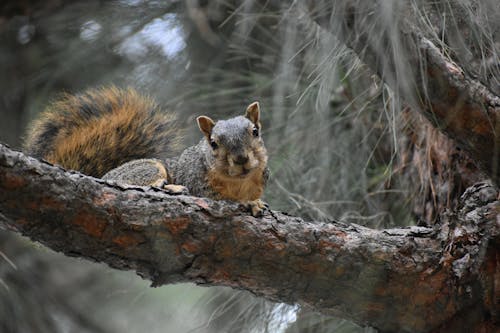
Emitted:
pixel 334 132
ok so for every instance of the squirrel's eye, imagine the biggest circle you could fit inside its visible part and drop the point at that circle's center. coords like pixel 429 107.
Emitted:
pixel 255 131
pixel 213 144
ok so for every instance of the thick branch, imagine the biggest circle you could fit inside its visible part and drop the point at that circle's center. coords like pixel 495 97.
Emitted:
pixel 462 107
pixel 409 279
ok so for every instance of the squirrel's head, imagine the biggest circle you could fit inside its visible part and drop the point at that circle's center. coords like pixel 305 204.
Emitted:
pixel 236 144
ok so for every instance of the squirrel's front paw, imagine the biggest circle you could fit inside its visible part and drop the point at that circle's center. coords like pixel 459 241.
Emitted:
pixel 257 207
pixel 176 189
pixel 170 188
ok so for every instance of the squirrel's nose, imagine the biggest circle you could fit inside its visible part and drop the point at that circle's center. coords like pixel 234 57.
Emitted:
pixel 240 159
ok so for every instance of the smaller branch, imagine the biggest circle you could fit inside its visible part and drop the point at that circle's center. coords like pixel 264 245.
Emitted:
pixel 461 107
pixel 410 279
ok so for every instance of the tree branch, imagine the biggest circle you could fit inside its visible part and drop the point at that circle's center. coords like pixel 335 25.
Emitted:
pixel 410 279
pixel 461 106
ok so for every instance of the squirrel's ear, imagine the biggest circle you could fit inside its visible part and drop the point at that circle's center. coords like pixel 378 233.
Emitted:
pixel 205 124
pixel 253 113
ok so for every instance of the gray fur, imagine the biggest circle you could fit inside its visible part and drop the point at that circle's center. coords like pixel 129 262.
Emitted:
pixel 142 172
pixel 188 169
pixel 233 133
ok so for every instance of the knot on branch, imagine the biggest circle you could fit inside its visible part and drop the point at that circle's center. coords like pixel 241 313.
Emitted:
pixel 466 233
pixel 478 195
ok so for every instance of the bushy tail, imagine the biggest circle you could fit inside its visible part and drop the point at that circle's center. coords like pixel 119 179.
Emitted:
pixel 100 129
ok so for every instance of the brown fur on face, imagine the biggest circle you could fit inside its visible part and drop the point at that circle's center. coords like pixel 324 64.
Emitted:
pixel 245 189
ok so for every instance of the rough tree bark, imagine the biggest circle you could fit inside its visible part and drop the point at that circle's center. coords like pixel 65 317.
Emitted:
pixel 406 280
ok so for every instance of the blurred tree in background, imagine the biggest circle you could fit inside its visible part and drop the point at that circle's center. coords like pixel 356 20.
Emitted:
pixel 342 144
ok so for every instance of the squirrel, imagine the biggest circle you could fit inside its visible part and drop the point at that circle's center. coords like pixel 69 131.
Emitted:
pixel 120 135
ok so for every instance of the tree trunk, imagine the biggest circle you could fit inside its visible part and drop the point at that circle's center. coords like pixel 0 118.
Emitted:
pixel 398 280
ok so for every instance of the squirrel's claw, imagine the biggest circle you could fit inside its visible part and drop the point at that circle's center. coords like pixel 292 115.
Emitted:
pixel 161 183
pixel 257 207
